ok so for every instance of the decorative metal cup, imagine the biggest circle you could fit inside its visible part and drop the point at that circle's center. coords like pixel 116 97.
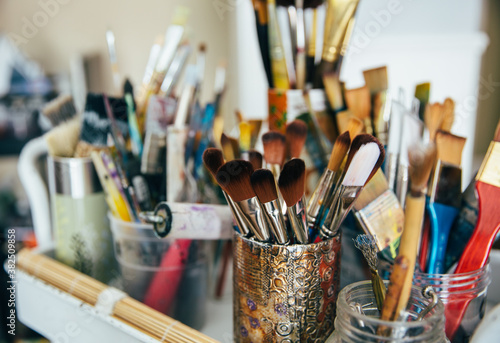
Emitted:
pixel 285 293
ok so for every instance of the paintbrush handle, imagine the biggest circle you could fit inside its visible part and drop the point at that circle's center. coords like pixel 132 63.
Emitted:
pixel 408 247
pixel 398 276
pixel 442 218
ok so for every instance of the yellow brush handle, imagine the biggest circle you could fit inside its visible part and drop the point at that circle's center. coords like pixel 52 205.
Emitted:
pixel 278 62
pixel 408 247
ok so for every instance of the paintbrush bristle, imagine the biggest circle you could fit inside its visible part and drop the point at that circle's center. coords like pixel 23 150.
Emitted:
pixel 354 126
pixel 59 110
pixel 234 178
pixel 373 189
pixel 227 147
pixel 291 181
pixel 433 118
pixel 376 79
pixel 255 159
pixel 296 133
pixel 264 185
pixel 62 140
pixel 448 114
pixel 339 151
pixel 359 102
pixel 274 147
pixel 449 148
pixel 421 159
pixel 213 160
pixel 365 157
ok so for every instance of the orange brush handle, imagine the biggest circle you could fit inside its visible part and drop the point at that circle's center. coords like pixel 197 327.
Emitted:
pixel 475 255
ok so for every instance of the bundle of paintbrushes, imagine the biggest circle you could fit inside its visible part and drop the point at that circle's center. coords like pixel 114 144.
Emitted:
pixel 260 198
pixel 301 40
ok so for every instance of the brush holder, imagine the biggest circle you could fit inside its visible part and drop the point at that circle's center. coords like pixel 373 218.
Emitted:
pixel 467 289
pixel 285 293
pixel 81 229
pixel 358 319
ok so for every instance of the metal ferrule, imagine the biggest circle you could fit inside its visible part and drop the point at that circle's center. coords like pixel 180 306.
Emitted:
pixel 238 216
pixel 154 152
pixel 342 204
pixel 391 168
pixel 297 217
pixel 252 213
pixel 320 195
pixel 402 181
pixel 273 212
pixel 75 177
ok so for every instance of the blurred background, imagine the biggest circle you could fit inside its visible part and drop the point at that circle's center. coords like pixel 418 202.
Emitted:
pixel 46 44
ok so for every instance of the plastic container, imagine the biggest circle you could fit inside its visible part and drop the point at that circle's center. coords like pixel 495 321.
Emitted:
pixel 171 276
pixel 353 325
pixel 460 291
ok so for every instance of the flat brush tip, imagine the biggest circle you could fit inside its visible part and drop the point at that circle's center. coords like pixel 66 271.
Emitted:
pixel 255 158
pixel 449 147
pixel 234 178
pixel 291 181
pixel 264 185
pixel 296 133
pixel 339 151
pixel 421 160
pixel 365 157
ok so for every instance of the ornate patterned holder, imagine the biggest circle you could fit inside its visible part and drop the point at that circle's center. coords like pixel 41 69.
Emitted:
pixel 285 293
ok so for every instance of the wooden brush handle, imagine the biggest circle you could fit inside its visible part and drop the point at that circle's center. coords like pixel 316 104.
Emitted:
pixel 398 277
pixel 475 255
pixel 408 247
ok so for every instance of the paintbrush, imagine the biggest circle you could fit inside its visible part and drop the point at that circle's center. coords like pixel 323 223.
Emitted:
pixel 135 133
pixel 448 114
pixel 444 197
pixel 411 134
pixel 110 40
pixel 339 13
pixel 255 125
pixel 365 157
pixel 311 48
pixel 324 187
pixel 300 55
pixel 358 102
pixel 175 69
pixel 477 250
pixel 213 160
pixel 274 150
pixel 380 215
pixel 264 185
pixel 368 246
pixel 260 8
pixel 276 50
pixel 400 272
pixel 296 133
pixel 354 126
pixel 421 162
pixel 234 178
pixel 227 147
pixel 63 139
pixel 291 184
pixel 422 93
pixel 377 83
pixel 287 21
pixel 323 116
pixel 345 44
pixel 333 90
pixel 255 159
pixel 152 59
pixel 59 110
pixel 433 119
pixel 245 139
pixel 394 141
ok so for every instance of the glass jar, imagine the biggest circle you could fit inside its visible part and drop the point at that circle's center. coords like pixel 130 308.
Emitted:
pixel 358 318
pixel 464 298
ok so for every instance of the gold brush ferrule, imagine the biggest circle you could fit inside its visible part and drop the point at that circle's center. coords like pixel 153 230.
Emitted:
pixel 276 221
pixel 391 167
pixel 339 13
pixel 297 217
pixel 490 168
pixel 252 213
pixel 381 115
pixel 343 203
